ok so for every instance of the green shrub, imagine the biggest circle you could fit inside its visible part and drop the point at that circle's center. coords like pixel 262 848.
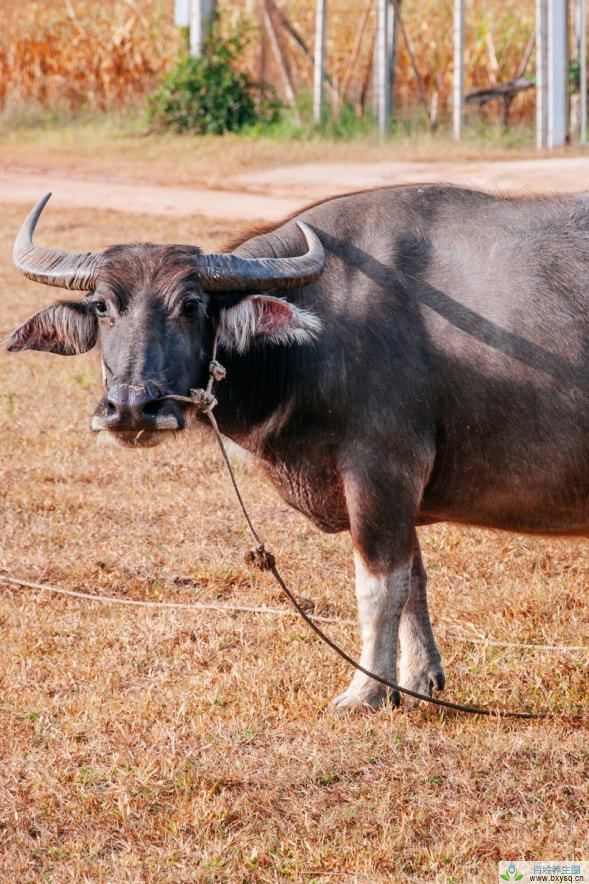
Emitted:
pixel 210 94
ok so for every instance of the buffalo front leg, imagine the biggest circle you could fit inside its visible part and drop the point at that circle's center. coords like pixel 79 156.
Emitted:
pixel 380 598
pixel 421 664
pixel 383 555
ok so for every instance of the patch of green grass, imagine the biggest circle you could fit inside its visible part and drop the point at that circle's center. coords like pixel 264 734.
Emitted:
pixel 130 130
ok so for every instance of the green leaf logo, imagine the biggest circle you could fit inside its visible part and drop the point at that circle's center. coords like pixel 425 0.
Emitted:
pixel 511 874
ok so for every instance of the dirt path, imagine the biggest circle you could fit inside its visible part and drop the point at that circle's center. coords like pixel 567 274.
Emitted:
pixel 316 181
pixel 27 185
pixel 272 194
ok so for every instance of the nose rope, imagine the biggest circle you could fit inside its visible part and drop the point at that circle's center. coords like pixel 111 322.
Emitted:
pixel 260 557
pixel 203 399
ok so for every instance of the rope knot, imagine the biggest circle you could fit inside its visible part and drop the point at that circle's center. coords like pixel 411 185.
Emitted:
pixel 261 558
pixel 203 400
pixel 216 370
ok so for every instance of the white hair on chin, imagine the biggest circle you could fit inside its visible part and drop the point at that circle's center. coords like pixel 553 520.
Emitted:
pixel 133 438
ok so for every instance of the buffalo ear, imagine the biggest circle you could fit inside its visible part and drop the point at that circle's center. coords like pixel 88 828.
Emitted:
pixel 265 317
pixel 67 328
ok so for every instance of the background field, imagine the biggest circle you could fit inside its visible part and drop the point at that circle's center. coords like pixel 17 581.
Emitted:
pixel 68 56
pixel 142 745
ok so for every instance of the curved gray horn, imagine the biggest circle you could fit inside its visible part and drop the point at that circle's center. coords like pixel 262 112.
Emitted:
pixel 230 273
pixel 65 269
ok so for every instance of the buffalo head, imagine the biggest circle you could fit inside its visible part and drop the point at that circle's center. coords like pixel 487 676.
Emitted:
pixel 154 310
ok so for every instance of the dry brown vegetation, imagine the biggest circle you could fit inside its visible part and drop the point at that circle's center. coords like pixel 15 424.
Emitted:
pixel 82 54
pixel 142 745
pixel 68 56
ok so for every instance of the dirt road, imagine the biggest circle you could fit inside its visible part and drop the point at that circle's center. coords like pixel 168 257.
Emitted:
pixel 272 194
pixel 320 180
pixel 27 185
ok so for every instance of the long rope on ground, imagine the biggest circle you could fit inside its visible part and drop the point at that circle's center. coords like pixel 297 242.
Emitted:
pixel 263 609
pixel 148 603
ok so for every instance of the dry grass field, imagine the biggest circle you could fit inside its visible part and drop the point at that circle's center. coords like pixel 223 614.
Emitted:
pixel 149 745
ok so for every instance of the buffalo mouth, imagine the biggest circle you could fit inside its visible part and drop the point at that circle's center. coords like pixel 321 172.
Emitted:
pixel 133 438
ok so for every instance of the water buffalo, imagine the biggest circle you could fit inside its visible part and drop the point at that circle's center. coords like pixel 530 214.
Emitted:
pixel 395 358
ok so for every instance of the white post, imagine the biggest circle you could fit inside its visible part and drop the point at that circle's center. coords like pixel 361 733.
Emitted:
pixel 383 64
pixel 557 73
pixel 182 13
pixel 319 60
pixel 541 74
pixel 391 55
pixel 201 14
pixel 582 56
pixel 458 90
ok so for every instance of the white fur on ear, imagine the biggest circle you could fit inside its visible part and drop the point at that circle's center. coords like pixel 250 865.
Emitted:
pixel 272 319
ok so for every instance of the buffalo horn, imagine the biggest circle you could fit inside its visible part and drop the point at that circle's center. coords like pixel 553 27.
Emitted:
pixel 68 270
pixel 231 273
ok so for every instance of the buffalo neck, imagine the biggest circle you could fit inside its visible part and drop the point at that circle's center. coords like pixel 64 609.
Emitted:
pixel 262 385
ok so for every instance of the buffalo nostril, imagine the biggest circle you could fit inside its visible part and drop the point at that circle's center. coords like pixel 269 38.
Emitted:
pixel 151 409
pixel 111 408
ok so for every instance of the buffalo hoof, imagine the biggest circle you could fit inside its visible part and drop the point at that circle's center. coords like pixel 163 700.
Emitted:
pixel 367 700
pixel 424 681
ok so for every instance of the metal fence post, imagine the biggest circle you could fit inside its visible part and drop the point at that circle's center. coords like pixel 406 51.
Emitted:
pixel 458 88
pixel 384 64
pixel 319 60
pixel 581 48
pixel 557 73
pixel 541 74
pixel 201 16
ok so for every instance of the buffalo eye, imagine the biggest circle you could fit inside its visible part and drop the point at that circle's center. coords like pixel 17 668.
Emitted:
pixel 100 307
pixel 191 307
